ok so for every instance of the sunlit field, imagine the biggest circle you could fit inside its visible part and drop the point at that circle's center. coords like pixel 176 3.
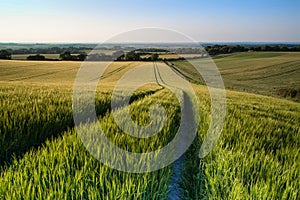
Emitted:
pixel 266 73
pixel 256 156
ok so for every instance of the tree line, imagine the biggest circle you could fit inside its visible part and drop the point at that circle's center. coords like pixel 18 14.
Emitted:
pixel 147 54
pixel 63 56
pixel 60 50
pixel 135 55
pixel 225 49
pixel 51 50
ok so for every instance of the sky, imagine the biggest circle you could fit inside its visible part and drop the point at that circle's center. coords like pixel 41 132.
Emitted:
pixel 89 21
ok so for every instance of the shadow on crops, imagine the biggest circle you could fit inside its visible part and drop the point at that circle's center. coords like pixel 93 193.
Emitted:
pixel 23 137
pixel 22 140
pixel 291 93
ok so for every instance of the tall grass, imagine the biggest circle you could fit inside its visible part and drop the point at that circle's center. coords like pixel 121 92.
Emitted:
pixel 258 154
pixel 30 115
pixel 61 168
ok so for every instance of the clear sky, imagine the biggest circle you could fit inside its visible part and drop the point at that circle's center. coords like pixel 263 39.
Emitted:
pixel 98 20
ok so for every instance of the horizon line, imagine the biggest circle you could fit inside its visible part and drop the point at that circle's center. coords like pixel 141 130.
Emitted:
pixel 263 42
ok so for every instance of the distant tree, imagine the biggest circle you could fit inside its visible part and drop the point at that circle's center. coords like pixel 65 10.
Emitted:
pixel 82 56
pixel 132 56
pixel 212 51
pixel 154 56
pixel 284 48
pixel 266 48
pixel 66 55
pixel 5 55
pixel 276 48
pixel 36 57
pixel 295 48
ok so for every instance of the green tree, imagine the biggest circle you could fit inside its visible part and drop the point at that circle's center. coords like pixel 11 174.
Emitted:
pixel 82 56
pixel 66 55
pixel 36 57
pixel 154 56
pixel 132 56
pixel 5 55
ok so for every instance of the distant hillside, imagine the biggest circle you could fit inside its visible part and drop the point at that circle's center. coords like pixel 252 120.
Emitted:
pixel 267 73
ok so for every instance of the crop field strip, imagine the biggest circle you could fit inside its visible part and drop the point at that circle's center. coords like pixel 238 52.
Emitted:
pixel 260 132
pixel 40 75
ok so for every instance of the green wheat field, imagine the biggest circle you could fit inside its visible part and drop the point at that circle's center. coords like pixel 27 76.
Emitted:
pixel 256 157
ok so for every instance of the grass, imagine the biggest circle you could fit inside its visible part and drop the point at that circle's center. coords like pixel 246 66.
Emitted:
pixel 42 157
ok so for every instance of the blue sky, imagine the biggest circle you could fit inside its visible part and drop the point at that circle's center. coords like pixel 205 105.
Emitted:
pixel 96 21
